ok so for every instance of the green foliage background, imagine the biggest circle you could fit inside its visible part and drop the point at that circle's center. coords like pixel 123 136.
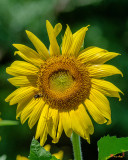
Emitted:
pixel 109 30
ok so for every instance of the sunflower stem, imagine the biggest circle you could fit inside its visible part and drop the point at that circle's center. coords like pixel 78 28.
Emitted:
pixel 76 143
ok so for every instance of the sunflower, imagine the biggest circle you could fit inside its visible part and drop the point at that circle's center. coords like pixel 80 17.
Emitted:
pixel 59 88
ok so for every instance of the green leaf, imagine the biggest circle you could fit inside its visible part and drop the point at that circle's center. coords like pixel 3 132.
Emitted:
pixel 39 153
pixel 108 146
pixel 8 123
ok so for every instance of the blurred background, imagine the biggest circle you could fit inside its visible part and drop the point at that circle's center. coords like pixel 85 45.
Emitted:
pixel 108 30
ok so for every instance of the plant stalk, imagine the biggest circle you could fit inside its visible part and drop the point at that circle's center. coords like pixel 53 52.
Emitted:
pixel 75 139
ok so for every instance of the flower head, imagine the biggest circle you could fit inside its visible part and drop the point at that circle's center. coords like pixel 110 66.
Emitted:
pixel 60 87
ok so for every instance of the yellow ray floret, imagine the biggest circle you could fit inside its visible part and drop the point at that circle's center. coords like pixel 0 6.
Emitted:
pixel 52 38
pixel 28 54
pixel 67 41
pixel 96 55
pixel 19 157
pixel 102 70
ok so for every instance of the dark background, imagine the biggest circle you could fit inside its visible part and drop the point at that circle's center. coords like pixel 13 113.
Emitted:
pixel 108 30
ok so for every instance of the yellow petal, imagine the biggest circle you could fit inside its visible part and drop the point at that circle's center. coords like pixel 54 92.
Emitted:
pixel 52 38
pixel 67 41
pixel 18 68
pixel 20 94
pixel 59 155
pixel 77 125
pixel 77 42
pixel 43 120
pixel 17 91
pixel 43 136
pixel 53 122
pixel 105 85
pixel 47 147
pixel 94 112
pixel 14 93
pixel 98 71
pixel 66 122
pixel 25 65
pixel 84 118
pixel 28 109
pixel 23 81
pixel 21 158
pixel 96 55
pixel 28 54
pixel 102 103
pixel 22 104
pixel 109 93
pixel 40 47
pixel 78 32
pixel 59 131
pixel 34 117
pixel 57 29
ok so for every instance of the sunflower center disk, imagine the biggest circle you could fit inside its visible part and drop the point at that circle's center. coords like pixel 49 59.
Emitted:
pixel 63 82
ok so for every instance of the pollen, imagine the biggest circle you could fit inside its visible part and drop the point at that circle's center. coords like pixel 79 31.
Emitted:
pixel 63 82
